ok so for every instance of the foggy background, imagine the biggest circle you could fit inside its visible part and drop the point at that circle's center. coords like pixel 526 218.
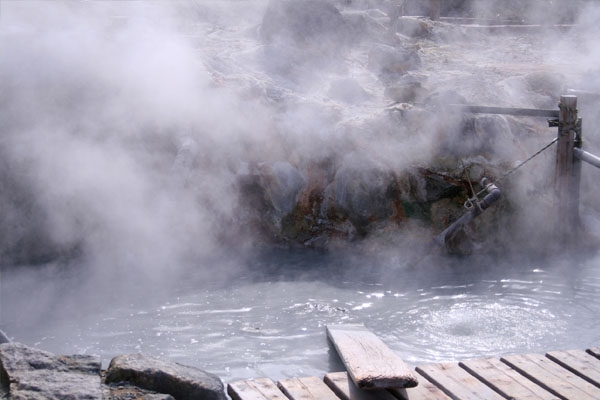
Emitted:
pixel 125 125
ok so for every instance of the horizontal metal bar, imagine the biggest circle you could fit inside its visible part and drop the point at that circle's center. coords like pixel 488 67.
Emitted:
pixel 587 157
pixel 530 112
pixel 4 338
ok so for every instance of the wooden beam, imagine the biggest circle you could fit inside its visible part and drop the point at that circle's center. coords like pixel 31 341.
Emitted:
pixel 434 9
pixel 256 389
pixel 309 388
pixel 580 363
pixel 552 377
pixel 595 351
pixel 341 384
pixel 425 391
pixel 565 178
pixel 505 380
pixel 370 363
pixel 457 382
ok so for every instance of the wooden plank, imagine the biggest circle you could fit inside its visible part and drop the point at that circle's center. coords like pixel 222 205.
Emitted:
pixel 595 351
pixel 370 363
pixel 425 391
pixel 309 388
pixel 580 363
pixel 505 380
pixel 256 389
pixel 345 389
pixel 552 377
pixel 456 382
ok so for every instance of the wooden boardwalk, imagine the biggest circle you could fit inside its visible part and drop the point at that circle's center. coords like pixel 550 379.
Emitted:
pixel 572 374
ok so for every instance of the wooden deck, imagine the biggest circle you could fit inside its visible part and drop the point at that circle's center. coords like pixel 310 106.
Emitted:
pixel 572 374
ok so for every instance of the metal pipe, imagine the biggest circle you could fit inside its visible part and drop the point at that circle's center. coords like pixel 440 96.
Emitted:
pixel 587 157
pixel 4 338
pixel 492 197
pixel 531 112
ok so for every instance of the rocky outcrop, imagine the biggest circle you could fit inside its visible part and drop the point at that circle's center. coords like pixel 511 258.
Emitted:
pixel 29 374
pixel 180 381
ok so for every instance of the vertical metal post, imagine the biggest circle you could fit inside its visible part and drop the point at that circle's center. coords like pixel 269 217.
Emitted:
pixel 434 9
pixel 566 179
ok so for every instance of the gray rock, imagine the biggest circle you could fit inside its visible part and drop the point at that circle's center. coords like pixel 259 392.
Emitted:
pixel 348 91
pixel 31 374
pixel 391 63
pixel 362 190
pixel 303 22
pixel 414 27
pixel 298 34
pixel 129 392
pixel 180 381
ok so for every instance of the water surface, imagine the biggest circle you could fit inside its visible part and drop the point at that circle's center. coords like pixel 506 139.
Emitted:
pixel 269 318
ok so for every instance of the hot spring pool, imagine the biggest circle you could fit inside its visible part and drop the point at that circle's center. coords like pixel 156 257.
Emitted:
pixel 269 320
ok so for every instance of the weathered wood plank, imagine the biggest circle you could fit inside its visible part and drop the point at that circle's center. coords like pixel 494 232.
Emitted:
pixel 505 380
pixel 345 389
pixel 309 388
pixel 456 382
pixel 425 391
pixel 580 363
pixel 370 363
pixel 257 389
pixel 595 351
pixel 552 377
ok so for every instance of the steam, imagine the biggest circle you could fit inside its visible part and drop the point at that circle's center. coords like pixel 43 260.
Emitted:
pixel 125 124
pixel 120 134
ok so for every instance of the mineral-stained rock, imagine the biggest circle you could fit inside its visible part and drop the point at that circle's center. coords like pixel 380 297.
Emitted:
pixel 31 374
pixel 180 381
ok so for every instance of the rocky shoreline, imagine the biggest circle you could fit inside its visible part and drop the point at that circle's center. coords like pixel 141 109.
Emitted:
pixel 28 373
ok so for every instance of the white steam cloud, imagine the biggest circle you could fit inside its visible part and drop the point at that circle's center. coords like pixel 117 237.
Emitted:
pixel 124 123
pixel 121 139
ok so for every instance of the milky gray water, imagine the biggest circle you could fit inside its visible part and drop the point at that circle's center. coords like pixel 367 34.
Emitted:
pixel 269 318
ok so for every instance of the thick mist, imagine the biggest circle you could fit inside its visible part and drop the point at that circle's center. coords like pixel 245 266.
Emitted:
pixel 117 136
pixel 125 125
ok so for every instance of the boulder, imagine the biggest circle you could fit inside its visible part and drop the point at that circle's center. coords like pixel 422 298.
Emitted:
pixel 364 191
pixel 31 374
pixel 282 185
pixel 303 22
pixel 129 392
pixel 180 381
pixel 391 63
